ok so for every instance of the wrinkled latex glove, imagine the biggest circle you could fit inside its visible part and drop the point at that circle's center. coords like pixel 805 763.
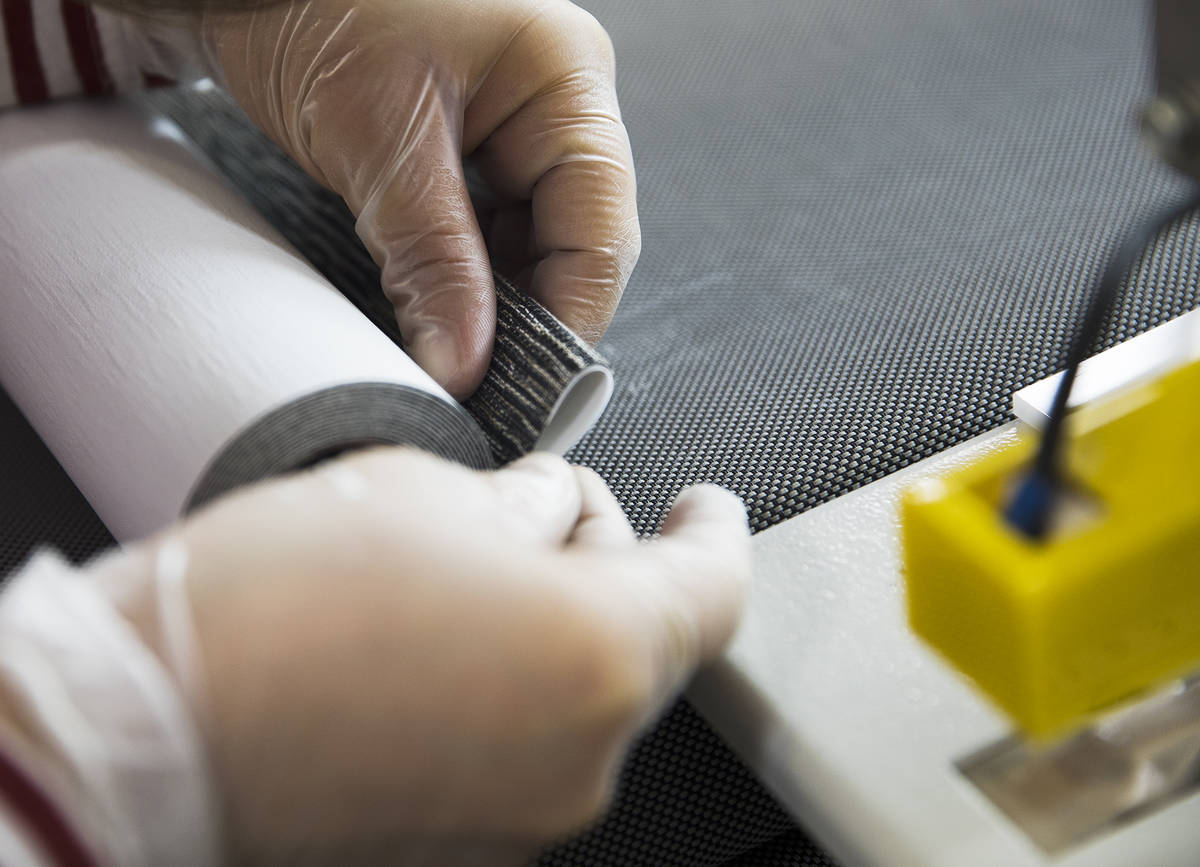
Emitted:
pixel 381 100
pixel 447 676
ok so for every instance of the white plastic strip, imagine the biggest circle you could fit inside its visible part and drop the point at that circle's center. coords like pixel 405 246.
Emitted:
pixel 1136 360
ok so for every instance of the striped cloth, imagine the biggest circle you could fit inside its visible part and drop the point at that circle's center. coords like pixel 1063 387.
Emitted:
pixel 57 48
pixel 34 828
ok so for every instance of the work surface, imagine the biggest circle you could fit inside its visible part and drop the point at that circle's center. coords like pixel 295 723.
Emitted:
pixel 864 223
pixel 859 727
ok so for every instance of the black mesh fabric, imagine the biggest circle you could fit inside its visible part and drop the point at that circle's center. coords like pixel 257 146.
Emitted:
pixel 866 223
pixel 39 504
pixel 792 849
pixel 682 799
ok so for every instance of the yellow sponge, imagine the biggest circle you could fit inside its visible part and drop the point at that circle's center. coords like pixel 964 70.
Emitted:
pixel 1104 607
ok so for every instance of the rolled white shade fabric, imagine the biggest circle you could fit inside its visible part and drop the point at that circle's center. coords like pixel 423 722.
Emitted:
pixel 164 340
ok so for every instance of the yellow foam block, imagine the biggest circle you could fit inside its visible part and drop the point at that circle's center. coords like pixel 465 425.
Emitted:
pixel 1100 610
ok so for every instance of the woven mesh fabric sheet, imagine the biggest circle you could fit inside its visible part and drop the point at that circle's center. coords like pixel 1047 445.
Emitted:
pixel 865 223
pixel 39 504
pixel 793 849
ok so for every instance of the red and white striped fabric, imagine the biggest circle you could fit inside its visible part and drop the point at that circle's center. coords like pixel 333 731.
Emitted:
pixel 101 760
pixel 34 830
pixel 55 48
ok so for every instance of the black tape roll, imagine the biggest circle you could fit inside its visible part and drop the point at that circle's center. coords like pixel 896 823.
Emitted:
pixel 335 420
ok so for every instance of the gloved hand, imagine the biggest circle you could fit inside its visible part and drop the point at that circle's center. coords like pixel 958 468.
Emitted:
pixel 446 677
pixel 381 100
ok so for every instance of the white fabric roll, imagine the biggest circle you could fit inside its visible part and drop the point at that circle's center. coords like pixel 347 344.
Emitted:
pixel 149 317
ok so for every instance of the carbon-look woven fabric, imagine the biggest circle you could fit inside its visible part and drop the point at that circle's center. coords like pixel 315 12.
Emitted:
pixel 792 849
pixel 39 504
pixel 866 223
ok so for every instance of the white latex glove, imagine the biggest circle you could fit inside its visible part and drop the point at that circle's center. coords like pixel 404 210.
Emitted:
pixel 399 661
pixel 381 100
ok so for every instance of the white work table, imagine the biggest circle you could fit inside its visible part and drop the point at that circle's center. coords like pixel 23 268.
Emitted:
pixel 855 725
